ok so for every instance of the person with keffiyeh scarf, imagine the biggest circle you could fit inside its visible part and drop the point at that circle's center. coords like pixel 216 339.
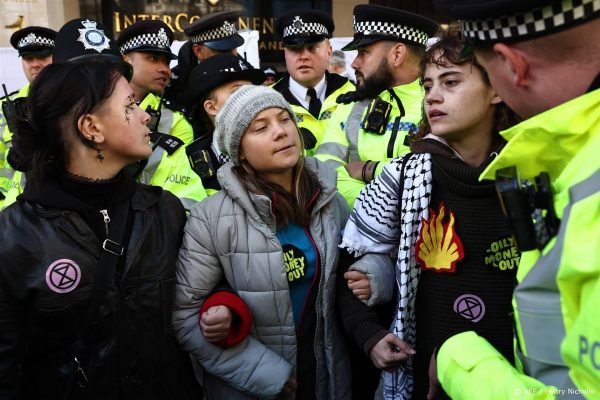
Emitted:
pixel 455 258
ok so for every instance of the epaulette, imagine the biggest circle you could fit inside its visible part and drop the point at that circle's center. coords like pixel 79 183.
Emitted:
pixel 174 106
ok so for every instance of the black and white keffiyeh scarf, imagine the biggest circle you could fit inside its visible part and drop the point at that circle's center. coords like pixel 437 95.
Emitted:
pixel 381 222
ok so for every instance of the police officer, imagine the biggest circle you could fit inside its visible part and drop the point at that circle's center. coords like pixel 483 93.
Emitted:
pixel 308 87
pixel 542 58
pixel 210 85
pixel 372 127
pixel 212 34
pixel 146 45
pixel 83 39
pixel 34 44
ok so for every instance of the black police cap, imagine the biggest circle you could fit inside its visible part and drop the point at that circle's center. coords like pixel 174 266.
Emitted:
pixel 150 36
pixel 82 39
pixel 216 71
pixel 33 40
pixel 216 30
pixel 373 23
pixel 491 21
pixel 300 27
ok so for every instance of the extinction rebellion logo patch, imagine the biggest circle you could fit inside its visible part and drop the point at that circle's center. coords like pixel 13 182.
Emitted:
pixel 470 307
pixel 62 276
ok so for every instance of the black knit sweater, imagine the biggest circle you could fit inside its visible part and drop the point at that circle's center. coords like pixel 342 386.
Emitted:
pixel 477 295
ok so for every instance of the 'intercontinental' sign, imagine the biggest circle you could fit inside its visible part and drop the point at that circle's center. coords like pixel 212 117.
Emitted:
pixel 178 22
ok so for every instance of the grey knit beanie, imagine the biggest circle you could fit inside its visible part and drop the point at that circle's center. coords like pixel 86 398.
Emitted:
pixel 238 113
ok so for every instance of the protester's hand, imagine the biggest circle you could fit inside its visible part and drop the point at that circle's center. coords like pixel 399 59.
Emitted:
pixel 434 383
pixel 390 352
pixel 354 169
pixel 290 386
pixel 359 284
pixel 215 323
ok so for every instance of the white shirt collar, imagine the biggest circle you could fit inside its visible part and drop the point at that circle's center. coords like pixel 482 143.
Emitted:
pixel 299 91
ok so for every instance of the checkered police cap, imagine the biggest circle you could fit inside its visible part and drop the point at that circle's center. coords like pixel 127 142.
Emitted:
pixel 158 40
pixel 147 36
pixel 509 21
pixel 227 29
pixel 399 31
pixel 299 27
pixel 373 23
pixel 216 30
pixel 33 39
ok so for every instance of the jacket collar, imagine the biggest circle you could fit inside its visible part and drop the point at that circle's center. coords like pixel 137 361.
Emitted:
pixel 548 141
pixel 259 206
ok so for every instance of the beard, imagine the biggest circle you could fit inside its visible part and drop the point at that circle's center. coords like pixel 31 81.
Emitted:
pixel 382 79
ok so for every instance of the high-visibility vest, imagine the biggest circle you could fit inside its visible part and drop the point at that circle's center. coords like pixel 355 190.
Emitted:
pixel 11 182
pixel 345 139
pixel 556 300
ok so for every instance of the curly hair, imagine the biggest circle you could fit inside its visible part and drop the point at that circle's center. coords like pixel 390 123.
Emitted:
pixel 450 50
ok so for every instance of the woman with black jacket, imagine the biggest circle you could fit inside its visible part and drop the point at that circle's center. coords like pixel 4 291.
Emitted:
pixel 87 255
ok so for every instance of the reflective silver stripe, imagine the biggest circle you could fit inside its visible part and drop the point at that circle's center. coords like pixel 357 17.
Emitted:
pixel 166 121
pixel 333 149
pixel 538 301
pixel 352 128
pixel 153 162
pixel 22 183
pixel 7 173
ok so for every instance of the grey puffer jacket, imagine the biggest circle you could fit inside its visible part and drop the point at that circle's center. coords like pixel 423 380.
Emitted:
pixel 232 234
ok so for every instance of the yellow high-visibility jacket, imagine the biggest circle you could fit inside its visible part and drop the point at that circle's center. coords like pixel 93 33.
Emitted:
pixel 557 299
pixel 11 181
pixel 345 139
pixel 172 172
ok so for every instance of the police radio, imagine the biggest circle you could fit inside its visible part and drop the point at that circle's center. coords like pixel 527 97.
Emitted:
pixel 529 208
pixel 13 110
pixel 199 156
pixel 154 119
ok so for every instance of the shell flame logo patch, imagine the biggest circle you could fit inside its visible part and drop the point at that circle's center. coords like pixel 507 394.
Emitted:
pixel 439 248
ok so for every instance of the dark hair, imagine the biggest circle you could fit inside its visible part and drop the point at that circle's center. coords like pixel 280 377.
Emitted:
pixel 58 97
pixel 287 207
pixel 449 50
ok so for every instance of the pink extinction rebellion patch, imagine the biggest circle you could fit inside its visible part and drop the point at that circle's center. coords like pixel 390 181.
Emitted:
pixel 63 275
pixel 470 307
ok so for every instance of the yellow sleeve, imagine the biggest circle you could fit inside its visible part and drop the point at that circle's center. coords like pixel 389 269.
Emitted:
pixel 334 145
pixel 469 367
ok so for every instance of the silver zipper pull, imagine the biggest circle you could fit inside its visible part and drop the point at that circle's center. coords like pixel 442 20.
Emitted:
pixel 106 219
